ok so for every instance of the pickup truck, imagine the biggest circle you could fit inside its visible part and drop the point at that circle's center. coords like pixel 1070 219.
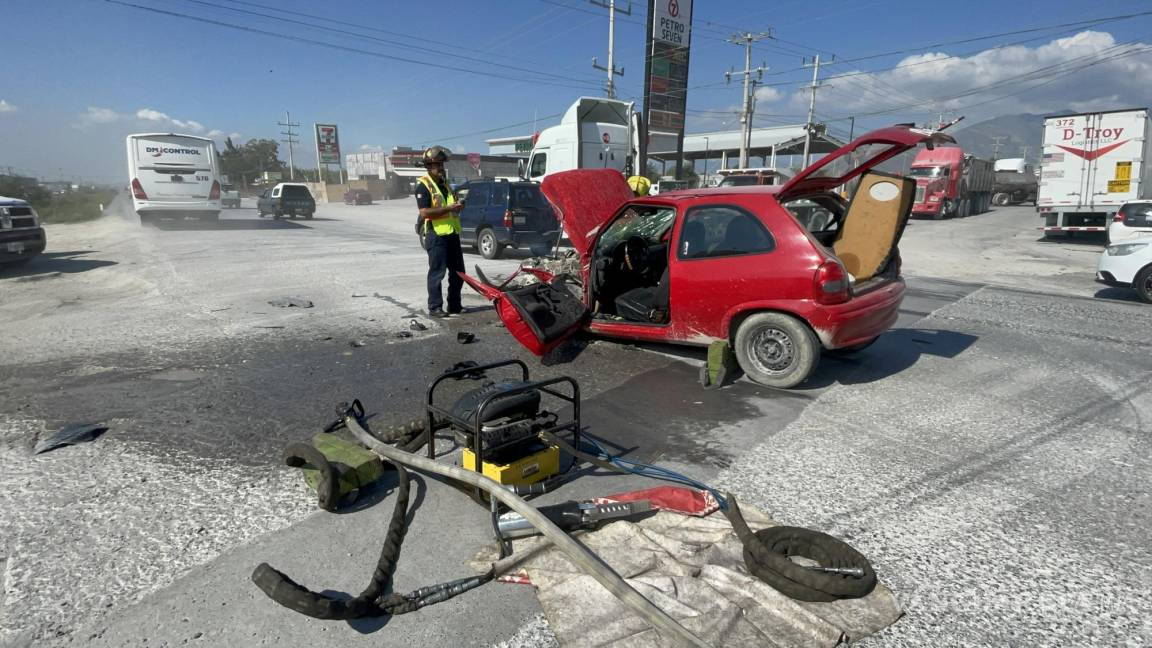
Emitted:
pixel 21 236
pixel 286 199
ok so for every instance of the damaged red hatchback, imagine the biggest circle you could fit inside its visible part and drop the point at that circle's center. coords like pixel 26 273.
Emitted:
pixel 780 272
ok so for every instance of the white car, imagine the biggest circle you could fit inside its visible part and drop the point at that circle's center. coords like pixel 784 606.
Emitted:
pixel 1129 265
pixel 1133 219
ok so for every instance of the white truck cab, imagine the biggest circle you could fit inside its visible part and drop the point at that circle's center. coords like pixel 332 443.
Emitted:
pixel 595 133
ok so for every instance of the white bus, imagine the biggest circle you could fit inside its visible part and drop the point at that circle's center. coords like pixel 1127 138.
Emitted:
pixel 173 176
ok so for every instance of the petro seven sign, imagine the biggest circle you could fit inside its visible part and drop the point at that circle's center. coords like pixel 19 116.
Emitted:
pixel 672 21
pixel 666 75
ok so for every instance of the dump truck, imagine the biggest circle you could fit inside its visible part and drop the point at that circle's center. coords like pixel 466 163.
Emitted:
pixel 1016 182
pixel 950 183
pixel 1092 164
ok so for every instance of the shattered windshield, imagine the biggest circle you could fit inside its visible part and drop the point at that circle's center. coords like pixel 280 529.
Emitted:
pixel 637 220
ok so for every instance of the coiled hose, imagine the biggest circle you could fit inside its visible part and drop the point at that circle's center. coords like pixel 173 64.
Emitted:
pixel 372 602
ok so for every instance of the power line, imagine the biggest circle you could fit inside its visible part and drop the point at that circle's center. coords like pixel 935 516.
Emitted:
pixel 344 48
pixel 493 130
pixel 369 38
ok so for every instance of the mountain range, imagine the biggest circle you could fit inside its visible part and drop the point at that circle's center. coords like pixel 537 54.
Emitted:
pixel 1020 135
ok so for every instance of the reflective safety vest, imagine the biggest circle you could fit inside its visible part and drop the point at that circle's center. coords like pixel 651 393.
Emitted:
pixel 449 223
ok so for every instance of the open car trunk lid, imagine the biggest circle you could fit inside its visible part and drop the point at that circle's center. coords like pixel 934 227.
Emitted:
pixel 858 156
pixel 584 200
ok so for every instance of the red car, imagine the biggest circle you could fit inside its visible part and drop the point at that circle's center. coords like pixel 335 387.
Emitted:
pixel 780 272
pixel 357 197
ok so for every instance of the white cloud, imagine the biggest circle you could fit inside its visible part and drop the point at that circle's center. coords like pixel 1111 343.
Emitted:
pixel 6 107
pixel 234 136
pixel 371 147
pixel 767 94
pixel 214 133
pixel 149 114
pixel 97 115
pixel 931 81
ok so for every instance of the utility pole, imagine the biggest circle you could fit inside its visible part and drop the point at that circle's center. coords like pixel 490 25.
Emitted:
pixel 816 85
pixel 291 142
pixel 852 128
pixel 746 39
pixel 996 147
pixel 1024 154
pixel 611 68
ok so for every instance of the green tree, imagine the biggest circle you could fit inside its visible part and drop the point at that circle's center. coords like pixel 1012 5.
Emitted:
pixel 246 162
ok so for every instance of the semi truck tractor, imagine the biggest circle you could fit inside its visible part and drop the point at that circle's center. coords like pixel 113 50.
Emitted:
pixel 950 183
pixel 595 133
pixel 1093 163
pixel 1015 182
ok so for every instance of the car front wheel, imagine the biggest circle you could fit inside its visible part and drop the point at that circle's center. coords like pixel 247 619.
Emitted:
pixel 776 350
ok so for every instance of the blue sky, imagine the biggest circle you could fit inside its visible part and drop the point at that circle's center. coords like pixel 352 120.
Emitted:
pixel 80 74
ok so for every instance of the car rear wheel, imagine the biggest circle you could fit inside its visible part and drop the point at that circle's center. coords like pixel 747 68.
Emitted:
pixel 776 350
pixel 487 244
pixel 1000 199
pixel 1143 284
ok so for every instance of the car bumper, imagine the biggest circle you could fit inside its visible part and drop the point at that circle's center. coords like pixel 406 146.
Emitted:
pixel 197 206
pixel 1120 270
pixel 861 319
pixel 526 238
pixel 17 245
pixel 927 209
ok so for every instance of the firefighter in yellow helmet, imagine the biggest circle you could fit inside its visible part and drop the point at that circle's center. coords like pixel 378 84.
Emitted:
pixel 640 185
pixel 440 229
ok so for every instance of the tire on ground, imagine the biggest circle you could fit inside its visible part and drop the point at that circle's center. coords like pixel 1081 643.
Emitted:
pixel 776 350
pixel 1000 199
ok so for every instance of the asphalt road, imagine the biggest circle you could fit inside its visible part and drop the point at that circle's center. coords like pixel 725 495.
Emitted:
pixel 989 454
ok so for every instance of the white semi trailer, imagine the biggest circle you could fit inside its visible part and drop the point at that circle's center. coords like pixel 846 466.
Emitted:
pixel 1092 164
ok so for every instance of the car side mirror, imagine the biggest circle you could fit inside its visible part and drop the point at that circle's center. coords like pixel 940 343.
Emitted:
pixel 522 169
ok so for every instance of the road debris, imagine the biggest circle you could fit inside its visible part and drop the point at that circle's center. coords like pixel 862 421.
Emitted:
pixel 290 302
pixel 404 334
pixel 464 337
pixel 415 325
pixel 356 343
pixel 70 434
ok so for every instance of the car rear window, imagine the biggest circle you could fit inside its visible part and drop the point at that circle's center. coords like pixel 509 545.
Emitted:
pixel 295 191
pixel 1137 214
pixel 527 196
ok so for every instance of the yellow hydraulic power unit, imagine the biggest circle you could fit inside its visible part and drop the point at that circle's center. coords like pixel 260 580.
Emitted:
pixel 501 423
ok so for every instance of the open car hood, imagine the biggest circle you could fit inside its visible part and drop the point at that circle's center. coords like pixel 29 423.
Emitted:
pixel 858 156
pixel 584 200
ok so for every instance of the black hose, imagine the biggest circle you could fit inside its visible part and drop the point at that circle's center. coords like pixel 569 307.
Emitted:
pixel 372 602
pixel 767 551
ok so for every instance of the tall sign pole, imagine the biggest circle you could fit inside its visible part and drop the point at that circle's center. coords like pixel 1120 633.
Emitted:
pixel 666 74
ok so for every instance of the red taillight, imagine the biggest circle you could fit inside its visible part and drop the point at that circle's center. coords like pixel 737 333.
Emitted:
pixel 138 190
pixel 215 193
pixel 507 218
pixel 830 284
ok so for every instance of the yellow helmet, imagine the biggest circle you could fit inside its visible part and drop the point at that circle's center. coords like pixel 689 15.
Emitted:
pixel 640 185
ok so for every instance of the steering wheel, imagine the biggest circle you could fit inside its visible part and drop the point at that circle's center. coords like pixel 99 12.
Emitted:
pixel 636 254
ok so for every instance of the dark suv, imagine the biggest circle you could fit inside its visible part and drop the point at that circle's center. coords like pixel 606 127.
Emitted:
pixel 286 199
pixel 499 213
